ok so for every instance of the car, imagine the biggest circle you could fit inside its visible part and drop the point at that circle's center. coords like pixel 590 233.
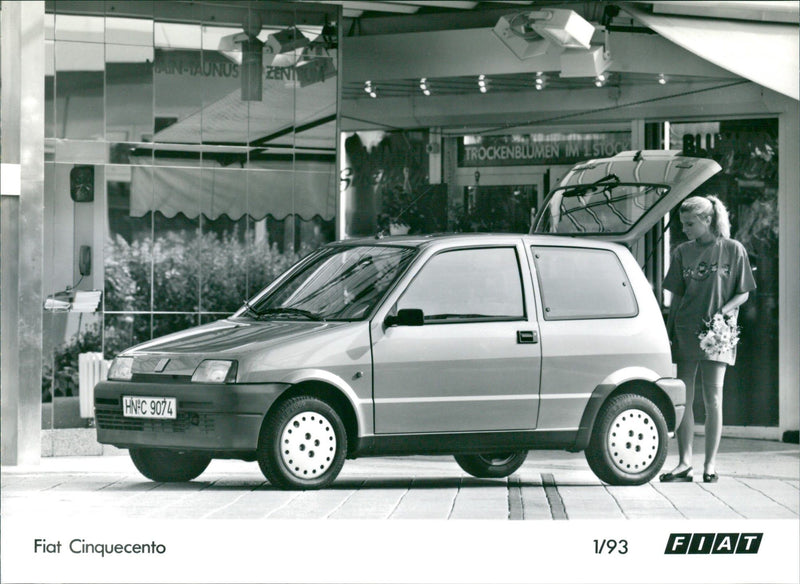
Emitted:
pixel 480 346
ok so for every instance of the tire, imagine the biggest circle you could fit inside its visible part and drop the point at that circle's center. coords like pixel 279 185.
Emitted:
pixel 629 441
pixel 303 444
pixel 491 465
pixel 169 466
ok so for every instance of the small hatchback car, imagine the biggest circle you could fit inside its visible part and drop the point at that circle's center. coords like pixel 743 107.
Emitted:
pixel 476 345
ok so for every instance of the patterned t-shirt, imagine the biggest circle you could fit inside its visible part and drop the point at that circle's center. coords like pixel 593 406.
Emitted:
pixel 704 277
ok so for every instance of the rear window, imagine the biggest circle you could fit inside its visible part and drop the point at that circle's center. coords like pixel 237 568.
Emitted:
pixel 582 283
pixel 602 208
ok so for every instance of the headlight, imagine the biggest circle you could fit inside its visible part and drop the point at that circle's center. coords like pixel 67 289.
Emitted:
pixel 215 371
pixel 121 369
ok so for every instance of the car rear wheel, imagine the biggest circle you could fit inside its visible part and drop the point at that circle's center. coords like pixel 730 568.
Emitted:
pixel 169 466
pixel 491 465
pixel 629 441
pixel 302 445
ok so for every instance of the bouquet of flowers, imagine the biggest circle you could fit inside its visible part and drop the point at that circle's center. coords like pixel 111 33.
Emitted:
pixel 719 335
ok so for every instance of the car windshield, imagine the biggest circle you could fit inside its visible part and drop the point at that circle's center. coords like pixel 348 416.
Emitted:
pixel 338 283
pixel 599 208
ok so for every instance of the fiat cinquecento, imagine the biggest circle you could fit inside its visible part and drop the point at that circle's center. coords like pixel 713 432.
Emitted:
pixel 480 346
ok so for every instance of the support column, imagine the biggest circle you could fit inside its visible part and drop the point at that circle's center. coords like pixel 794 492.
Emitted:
pixel 21 229
pixel 789 253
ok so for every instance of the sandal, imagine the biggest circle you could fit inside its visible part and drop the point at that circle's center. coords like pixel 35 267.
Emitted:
pixel 677 477
pixel 710 477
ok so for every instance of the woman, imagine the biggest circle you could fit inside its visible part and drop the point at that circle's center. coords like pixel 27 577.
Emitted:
pixel 709 274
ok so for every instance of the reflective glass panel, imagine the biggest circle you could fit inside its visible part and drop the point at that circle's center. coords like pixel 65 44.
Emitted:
pixel 79 89
pixel 129 93
pixel 122 331
pixel 178 238
pixel 129 242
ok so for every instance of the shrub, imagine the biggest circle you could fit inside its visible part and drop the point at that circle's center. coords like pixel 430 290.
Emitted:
pixel 194 273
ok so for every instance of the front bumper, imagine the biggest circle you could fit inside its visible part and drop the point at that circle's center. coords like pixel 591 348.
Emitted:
pixel 210 417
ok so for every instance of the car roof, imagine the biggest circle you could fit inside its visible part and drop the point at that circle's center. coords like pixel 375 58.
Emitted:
pixel 455 239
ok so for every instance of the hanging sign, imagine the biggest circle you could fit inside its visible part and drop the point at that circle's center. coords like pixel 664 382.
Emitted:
pixel 534 149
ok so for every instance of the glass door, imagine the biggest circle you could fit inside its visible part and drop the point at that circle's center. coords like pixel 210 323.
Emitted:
pixel 498 200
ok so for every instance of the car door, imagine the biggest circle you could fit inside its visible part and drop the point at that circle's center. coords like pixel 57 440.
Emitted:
pixel 474 364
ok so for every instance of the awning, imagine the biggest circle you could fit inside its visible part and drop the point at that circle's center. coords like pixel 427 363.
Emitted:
pixel 306 189
pixel 766 53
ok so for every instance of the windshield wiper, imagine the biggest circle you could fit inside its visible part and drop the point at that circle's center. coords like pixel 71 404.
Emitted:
pixel 578 190
pixel 248 309
pixel 292 311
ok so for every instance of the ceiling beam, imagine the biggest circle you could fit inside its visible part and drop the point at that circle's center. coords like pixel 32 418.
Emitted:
pixel 553 109
pixel 374 6
pixel 430 21
pixel 457 53
pixel 455 5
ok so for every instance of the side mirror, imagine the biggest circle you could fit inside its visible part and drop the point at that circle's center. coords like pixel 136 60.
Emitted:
pixel 406 317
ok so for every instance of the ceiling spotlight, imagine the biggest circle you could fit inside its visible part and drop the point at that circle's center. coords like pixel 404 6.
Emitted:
pixel 661 79
pixel 566 28
pixel 483 83
pixel 423 85
pixel 530 34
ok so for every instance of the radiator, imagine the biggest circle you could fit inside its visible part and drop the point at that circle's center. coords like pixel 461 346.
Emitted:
pixel 92 368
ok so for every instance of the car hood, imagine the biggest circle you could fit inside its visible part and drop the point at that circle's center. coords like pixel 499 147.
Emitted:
pixel 224 339
pixel 682 174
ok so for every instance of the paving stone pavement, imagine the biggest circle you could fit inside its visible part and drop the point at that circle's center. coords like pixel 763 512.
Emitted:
pixel 759 480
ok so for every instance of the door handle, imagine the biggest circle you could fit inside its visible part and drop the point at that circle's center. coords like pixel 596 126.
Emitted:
pixel 527 337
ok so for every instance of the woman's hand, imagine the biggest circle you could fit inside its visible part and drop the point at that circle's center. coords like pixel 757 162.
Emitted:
pixel 734 303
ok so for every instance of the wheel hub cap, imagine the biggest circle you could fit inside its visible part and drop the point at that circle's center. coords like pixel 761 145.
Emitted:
pixel 633 441
pixel 308 445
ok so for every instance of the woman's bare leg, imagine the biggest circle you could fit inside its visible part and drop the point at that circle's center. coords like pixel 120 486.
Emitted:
pixel 713 374
pixel 687 370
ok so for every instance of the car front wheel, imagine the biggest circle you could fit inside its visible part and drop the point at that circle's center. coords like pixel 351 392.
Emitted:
pixel 491 466
pixel 629 441
pixel 302 445
pixel 168 466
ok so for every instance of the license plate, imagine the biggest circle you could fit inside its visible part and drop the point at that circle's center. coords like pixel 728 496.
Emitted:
pixel 149 407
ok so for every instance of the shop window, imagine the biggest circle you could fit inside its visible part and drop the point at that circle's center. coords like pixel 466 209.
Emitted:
pixel 208 193
pixel 748 152
pixel 385 183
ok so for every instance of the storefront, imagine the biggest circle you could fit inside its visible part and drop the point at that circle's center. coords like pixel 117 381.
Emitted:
pixel 191 153
pixel 189 157
pixel 498 139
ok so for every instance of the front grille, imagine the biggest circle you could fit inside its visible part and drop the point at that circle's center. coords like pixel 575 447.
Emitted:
pixel 185 423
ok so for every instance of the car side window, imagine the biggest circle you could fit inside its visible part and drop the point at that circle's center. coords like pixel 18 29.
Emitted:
pixel 582 283
pixel 468 285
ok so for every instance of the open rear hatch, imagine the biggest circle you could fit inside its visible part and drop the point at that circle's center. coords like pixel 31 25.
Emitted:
pixel 621 198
